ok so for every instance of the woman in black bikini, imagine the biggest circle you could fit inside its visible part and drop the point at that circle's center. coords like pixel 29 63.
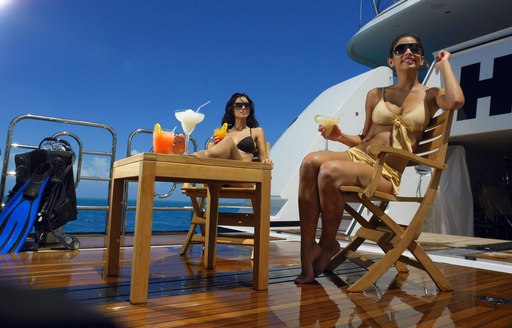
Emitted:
pixel 245 139
pixel 395 115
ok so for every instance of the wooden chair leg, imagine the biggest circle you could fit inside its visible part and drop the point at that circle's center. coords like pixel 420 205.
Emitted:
pixel 198 220
pixel 188 239
pixel 343 255
pixel 399 265
pixel 349 252
pixel 428 266
pixel 379 268
pixel 196 216
pixel 339 258
pixel 395 229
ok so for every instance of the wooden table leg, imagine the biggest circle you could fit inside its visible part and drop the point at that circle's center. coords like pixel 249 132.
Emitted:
pixel 262 235
pixel 212 216
pixel 114 228
pixel 142 234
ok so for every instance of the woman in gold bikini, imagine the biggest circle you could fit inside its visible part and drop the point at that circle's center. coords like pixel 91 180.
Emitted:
pixel 395 115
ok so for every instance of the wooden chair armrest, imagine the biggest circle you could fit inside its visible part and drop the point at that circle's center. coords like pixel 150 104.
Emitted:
pixel 378 149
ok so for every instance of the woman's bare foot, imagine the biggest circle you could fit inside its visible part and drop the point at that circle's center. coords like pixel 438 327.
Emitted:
pixel 308 257
pixel 328 251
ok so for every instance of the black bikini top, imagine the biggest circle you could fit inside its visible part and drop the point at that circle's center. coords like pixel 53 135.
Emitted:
pixel 247 144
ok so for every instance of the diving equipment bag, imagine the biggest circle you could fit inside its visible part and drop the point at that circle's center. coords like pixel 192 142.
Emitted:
pixel 58 204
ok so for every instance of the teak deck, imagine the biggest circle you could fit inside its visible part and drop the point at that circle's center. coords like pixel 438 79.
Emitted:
pixel 184 294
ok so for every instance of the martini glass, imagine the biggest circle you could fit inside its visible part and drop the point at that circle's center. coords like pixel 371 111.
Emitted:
pixel 188 119
pixel 328 122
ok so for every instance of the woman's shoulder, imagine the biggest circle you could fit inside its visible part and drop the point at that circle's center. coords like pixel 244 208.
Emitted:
pixel 373 97
pixel 257 132
pixel 376 92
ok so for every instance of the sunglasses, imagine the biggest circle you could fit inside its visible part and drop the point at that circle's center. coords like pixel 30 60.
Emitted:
pixel 402 48
pixel 241 104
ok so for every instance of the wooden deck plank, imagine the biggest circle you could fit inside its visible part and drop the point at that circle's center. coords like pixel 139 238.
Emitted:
pixel 182 293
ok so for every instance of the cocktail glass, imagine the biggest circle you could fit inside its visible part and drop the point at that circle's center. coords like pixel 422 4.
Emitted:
pixel 162 140
pixel 222 132
pixel 188 119
pixel 179 144
pixel 328 122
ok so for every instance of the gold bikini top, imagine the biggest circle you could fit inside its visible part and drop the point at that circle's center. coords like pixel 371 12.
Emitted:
pixel 414 121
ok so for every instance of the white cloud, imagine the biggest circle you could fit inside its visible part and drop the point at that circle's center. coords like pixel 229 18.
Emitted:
pixel 95 166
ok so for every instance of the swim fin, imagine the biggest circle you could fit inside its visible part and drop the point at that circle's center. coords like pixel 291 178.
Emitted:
pixel 19 215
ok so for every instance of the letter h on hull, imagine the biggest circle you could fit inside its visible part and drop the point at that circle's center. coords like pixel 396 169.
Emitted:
pixel 499 88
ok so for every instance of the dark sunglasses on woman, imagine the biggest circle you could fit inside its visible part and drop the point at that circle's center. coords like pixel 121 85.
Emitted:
pixel 402 48
pixel 241 104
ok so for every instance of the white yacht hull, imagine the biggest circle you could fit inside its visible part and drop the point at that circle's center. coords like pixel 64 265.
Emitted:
pixel 482 129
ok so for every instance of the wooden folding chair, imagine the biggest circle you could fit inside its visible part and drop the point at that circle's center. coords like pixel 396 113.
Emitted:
pixel 395 239
pixel 197 196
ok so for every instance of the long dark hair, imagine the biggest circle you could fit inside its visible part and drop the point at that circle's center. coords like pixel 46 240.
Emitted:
pixel 229 115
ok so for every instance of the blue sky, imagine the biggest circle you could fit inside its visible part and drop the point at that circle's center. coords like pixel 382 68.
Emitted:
pixel 132 63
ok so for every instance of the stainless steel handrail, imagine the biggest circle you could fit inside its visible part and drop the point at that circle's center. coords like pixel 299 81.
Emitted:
pixel 9 144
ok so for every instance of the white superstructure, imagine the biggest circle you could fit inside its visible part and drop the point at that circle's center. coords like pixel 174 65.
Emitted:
pixel 481 60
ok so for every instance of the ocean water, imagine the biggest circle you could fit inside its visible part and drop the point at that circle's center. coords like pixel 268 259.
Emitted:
pixel 94 221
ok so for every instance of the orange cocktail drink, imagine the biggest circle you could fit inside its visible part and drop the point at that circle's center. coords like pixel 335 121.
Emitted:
pixel 162 140
pixel 222 132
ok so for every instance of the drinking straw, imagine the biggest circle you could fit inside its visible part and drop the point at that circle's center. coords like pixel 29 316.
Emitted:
pixel 206 103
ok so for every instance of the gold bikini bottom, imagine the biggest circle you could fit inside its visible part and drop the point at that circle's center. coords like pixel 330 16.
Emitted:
pixel 390 174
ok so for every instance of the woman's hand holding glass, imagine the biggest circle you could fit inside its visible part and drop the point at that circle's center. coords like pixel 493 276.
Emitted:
pixel 216 140
pixel 327 123
pixel 334 135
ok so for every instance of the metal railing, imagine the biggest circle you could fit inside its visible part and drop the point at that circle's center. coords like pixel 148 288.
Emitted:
pixel 80 152
pixel 379 7
pixel 9 145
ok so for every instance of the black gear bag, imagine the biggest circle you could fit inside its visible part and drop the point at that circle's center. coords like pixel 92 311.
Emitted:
pixel 58 203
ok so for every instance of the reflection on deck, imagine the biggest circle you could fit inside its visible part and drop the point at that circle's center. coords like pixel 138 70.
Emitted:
pixel 183 293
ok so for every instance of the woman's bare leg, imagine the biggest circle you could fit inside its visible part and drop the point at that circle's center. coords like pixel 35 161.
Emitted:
pixel 309 210
pixel 331 176
pixel 226 149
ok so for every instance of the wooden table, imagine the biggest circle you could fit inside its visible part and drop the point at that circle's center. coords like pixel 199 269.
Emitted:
pixel 146 168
